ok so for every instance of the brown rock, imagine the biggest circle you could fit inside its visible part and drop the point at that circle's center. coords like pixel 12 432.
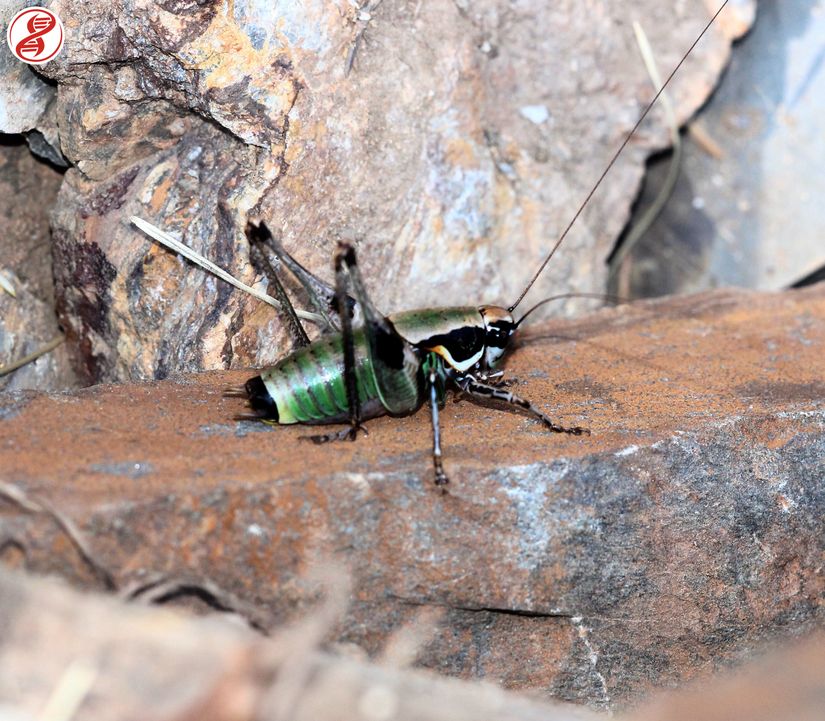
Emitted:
pixel 28 321
pixel 94 657
pixel 114 662
pixel 684 531
pixel 456 148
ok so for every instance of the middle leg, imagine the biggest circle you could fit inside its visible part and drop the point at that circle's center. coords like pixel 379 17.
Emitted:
pixel 441 479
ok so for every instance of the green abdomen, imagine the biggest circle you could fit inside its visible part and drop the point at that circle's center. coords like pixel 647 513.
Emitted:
pixel 308 385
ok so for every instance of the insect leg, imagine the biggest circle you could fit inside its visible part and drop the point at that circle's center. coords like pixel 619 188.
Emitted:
pixel 496 379
pixel 350 378
pixel 441 479
pixel 480 390
pixel 321 294
pixel 261 260
pixel 395 362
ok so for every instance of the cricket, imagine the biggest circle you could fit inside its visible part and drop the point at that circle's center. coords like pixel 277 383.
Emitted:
pixel 366 364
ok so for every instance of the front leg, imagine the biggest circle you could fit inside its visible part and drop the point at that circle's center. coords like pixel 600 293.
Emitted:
pixel 496 379
pixel 480 390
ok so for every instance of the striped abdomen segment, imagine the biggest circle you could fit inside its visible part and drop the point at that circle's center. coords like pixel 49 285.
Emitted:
pixel 308 385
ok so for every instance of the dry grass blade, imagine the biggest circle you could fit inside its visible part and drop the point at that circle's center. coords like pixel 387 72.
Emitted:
pixel 293 650
pixel 22 500
pixel 650 215
pixel 192 255
pixel 31 357
pixel 71 690
pixel 6 285
pixel 403 647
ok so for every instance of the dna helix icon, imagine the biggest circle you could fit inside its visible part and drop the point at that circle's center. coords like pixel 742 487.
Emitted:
pixel 32 45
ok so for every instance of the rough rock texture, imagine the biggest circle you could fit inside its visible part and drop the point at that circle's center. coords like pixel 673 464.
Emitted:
pixel 88 657
pixel 115 662
pixel 28 321
pixel 455 149
pixel 686 529
pixel 742 212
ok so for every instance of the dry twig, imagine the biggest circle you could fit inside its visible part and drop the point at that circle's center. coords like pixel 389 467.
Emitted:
pixel 25 502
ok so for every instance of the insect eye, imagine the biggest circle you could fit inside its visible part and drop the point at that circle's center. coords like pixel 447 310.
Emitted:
pixel 497 337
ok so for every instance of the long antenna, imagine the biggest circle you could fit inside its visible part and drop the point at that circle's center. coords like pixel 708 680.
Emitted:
pixel 564 296
pixel 614 159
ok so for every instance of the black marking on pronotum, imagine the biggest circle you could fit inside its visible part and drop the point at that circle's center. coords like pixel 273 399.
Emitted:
pixel 462 343
pixel 389 345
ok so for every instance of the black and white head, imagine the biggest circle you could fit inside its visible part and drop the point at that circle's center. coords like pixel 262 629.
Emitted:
pixel 498 330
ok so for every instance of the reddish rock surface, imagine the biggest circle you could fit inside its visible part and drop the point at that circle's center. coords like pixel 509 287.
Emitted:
pixel 684 531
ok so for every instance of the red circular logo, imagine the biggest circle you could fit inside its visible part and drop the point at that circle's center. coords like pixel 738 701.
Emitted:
pixel 35 35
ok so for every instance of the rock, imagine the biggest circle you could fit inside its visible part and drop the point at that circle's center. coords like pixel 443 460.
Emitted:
pixel 785 683
pixel 28 321
pixel 198 117
pixel 163 665
pixel 27 189
pixel 737 198
pixel 685 531
pixel 27 324
pixel 119 662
